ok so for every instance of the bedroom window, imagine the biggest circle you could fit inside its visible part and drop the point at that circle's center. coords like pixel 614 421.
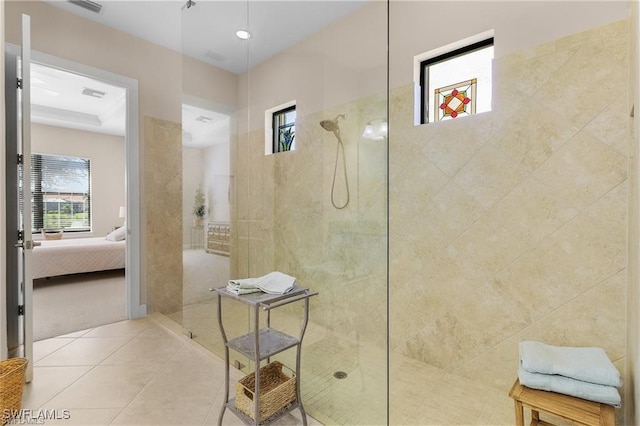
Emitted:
pixel 61 192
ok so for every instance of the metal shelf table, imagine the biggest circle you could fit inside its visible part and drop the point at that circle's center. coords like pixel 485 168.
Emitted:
pixel 261 344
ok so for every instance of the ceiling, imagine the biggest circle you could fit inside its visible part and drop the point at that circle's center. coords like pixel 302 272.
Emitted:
pixel 61 98
pixel 202 128
pixel 204 31
pixel 64 99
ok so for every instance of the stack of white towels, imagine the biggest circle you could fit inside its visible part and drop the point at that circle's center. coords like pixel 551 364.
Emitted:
pixel 585 373
pixel 272 283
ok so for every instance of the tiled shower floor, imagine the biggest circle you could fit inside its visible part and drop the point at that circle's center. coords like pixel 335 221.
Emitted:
pixel 419 395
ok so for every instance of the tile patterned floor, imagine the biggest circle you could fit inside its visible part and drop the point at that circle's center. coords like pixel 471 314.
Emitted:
pixel 145 372
pixel 419 394
pixel 130 373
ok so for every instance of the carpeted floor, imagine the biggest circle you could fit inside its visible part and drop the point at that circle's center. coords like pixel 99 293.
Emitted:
pixel 63 305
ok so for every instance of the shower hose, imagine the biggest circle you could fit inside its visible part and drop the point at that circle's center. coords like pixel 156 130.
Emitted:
pixel 339 147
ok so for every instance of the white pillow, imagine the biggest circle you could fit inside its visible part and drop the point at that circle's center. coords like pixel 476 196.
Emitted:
pixel 117 235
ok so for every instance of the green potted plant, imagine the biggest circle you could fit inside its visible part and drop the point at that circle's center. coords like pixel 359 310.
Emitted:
pixel 199 208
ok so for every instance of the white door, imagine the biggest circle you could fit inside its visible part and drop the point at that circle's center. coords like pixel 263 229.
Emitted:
pixel 19 238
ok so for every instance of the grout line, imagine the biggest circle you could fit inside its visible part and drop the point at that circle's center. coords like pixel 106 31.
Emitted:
pixel 71 339
pixel 90 367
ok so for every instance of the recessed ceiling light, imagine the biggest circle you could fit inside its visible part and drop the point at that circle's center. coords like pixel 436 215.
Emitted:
pixel 243 34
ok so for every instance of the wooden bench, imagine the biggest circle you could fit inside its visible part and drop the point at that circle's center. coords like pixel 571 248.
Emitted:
pixel 564 406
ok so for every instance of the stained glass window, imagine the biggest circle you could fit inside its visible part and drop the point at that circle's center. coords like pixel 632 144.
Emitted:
pixel 456 100
pixel 465 71
pixel 284 129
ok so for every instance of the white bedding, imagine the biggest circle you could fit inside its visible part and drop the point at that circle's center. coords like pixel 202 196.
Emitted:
pixel 77 255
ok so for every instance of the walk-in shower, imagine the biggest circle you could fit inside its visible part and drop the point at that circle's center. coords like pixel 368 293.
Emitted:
pixel 280 217
pixel 438 232
pixel 333 126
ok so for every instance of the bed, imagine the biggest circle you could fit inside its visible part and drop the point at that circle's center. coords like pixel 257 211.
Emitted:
pixel 77 255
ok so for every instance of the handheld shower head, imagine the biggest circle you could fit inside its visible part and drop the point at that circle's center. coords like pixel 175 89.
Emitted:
pixel 332 125
pixel 329 125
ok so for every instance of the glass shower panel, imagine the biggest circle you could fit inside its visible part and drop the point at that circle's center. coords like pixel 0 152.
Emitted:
pixel 211 136
pixel 318 211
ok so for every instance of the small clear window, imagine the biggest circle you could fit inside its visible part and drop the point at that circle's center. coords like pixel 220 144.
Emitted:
pixel 457 83
pixel 284 129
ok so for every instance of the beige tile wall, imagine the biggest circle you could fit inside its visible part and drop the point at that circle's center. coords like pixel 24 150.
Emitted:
pixel 511 225
pixel 162 153
pixel 285 220
pixel 505 226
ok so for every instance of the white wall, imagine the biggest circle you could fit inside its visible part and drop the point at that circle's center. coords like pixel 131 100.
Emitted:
pixel 217 176
pixel 209 169
pixel 331 67
pixel 107 155
pixel 192 171
pixel 518 25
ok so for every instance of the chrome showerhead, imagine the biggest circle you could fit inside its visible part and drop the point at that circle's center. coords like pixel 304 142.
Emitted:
pixel 189 4
pixel 332 125
pixel 329 125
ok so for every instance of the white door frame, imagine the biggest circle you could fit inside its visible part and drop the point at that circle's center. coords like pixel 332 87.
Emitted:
pixel 134 308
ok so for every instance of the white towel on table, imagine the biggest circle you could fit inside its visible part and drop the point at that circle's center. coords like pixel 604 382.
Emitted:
pixel 585 364
pixel 244 283
pixel 243 286
pixel 273 283
pixel 276 283
pixel 567 386
pixel 237 290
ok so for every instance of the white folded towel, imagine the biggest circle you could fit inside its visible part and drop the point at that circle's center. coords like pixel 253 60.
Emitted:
pixel 567 386
pixel 273 283
pixel 244 283
pixel 243 286
pixel 238 290
pixel 585 364
pixel 276 283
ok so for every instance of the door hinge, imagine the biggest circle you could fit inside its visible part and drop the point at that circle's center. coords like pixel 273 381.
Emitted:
pixel 20 309
pixel 20 159
pixel 19 83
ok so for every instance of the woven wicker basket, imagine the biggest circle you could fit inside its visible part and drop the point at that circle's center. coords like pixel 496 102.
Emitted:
pixel 277 390
pixel 12 377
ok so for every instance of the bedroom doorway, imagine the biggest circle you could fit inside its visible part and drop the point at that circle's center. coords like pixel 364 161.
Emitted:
pixel 78 126
pixel 64 130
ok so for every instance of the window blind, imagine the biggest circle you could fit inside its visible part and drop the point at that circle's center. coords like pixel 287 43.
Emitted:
pixel 60 193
